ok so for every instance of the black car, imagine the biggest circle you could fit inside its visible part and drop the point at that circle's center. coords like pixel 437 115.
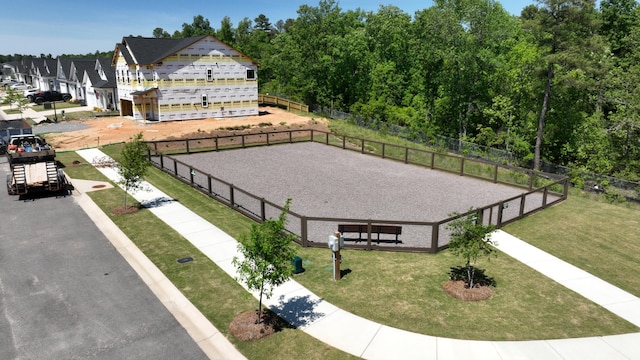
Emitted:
pixel 47 96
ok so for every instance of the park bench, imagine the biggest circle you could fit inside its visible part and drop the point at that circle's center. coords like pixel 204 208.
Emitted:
pixel 375 229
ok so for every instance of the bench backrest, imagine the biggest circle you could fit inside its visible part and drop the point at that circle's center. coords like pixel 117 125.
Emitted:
pixel 376 229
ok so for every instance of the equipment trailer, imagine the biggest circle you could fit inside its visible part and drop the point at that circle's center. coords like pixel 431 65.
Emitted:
pixel 33 166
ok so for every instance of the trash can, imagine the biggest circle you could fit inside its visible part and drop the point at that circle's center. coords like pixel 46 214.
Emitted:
pixel 47 106
pixel 297 265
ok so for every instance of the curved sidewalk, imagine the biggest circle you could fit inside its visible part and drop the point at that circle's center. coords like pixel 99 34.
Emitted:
pixel 370 340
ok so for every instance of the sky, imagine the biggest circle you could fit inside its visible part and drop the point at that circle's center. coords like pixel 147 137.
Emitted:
pixel 80 27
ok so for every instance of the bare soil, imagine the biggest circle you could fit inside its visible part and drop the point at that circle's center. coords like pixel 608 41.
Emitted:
pixel 457 290
pixel 112 130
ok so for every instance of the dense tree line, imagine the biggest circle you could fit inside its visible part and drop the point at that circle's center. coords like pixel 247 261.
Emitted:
pixel 556 83
pixel 559 82
pixel 20 57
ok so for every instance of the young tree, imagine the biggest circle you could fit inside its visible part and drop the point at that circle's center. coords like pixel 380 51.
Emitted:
pixel 133 164
pixel 268 251
pixel 15 98
pixel 470 239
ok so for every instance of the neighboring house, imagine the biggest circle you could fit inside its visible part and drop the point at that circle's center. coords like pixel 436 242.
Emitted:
pixel 67 75
pixel 42 73
pixel 182 79
pixel 100 85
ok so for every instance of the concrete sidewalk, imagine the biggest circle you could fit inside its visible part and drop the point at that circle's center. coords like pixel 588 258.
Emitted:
pixel 370 340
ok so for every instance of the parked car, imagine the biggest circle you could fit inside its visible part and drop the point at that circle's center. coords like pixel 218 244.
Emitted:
pixel 7 83
pixel 47 96
pixel 29 93
pixel 21 86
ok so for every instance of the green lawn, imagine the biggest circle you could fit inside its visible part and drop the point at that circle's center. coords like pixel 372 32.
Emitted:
pixel 399 289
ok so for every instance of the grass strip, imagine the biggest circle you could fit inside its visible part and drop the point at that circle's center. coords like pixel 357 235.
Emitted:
pixel 219 297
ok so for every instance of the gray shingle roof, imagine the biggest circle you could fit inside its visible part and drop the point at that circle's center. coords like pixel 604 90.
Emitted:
pixel 148 51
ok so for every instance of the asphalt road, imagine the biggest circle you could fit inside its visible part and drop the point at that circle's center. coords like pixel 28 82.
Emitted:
pixel 66 293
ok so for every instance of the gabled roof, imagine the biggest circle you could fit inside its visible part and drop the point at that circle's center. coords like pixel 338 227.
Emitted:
pixel 68 65
pixel 97 81
pixel 44 67
pixel 147 51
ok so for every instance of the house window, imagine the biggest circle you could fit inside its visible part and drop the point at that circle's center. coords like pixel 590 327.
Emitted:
pixel 251 74
pixel 209 74
pixel 205 101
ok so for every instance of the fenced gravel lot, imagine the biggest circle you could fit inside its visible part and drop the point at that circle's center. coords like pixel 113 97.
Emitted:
pixel 325 181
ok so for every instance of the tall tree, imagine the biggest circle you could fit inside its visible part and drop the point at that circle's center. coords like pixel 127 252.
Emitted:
pixel 226 31
pixel 564 29
pixel 160 33
pixel 199 26
pixel 618 18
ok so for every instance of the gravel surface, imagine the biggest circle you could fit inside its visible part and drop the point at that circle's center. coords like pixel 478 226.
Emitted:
pixel 65 126
pixel 325 181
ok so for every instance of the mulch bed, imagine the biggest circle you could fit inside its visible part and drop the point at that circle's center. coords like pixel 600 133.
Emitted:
pixel 244 326
pixel 457 290
pixel 121 210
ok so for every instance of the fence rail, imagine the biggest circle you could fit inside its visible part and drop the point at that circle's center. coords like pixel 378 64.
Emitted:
pixel 542 190
pixel 278 101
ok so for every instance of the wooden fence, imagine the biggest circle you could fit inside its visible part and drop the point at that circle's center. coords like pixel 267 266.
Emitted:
pixel 542 190
pixel 288 104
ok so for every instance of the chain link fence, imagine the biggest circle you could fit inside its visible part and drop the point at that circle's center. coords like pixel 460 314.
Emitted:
pixel 614 189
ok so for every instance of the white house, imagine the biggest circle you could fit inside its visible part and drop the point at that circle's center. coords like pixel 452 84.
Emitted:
pixel 183 79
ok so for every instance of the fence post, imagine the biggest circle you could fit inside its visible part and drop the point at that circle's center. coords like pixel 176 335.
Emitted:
pixel 187 143
pixel 209 185
pixel 369 247
pixel 303 231
pixel 263 215
pixel 461 166
pixel 361 146
pixel 499 216
pixel 383 150
pixel 406 155
pixel 531 176
pixel 290 137
pixel 242 137
pixel 175 167
pixel 433 160
pixel 495 173
pixel 191 175
pixel 216 142
pixel 523 199
pixel 435 233
pixel 231 196
pixel 268 139
pixel 161 161
pixel 544 196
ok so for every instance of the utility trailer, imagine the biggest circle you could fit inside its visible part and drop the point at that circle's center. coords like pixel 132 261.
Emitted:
pixel 33 166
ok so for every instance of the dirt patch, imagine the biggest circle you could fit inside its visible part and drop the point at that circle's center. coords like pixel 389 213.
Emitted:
pixel 244 326
pixel 122 210
pixel 457 290
pixel 112 130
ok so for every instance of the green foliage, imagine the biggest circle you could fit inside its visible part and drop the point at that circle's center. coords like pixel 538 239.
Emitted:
pixel 267 252
pixel 15 98
pixel 470 239
pixel 133 164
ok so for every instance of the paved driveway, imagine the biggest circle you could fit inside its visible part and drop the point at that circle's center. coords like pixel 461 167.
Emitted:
pixel 66 293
